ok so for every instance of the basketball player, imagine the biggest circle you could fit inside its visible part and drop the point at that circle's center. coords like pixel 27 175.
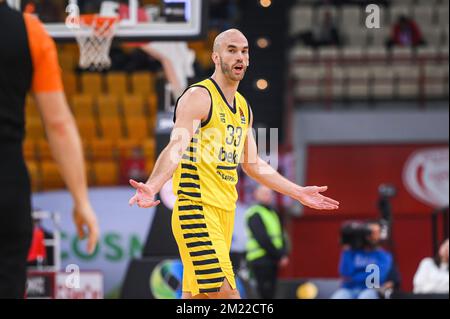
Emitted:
pixel 28 60
pixel 203 162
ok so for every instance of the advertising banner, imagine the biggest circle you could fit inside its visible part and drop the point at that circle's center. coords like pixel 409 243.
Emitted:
pixel 123 230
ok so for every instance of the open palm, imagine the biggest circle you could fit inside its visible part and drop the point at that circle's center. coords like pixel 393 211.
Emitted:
pixel 310 196
pixel 145 195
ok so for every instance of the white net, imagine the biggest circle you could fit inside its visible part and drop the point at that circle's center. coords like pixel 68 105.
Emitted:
pixel 94 37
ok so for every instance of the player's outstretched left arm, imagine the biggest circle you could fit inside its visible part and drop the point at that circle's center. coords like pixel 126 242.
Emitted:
pixel 264 174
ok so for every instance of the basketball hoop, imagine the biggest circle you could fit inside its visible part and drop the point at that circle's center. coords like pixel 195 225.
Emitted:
pixel 94 37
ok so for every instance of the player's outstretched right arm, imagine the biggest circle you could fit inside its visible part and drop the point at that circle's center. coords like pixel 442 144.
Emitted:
pixel 192 109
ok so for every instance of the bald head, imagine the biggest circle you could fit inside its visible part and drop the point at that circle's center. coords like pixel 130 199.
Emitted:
pixel 230 55
pixel 228 36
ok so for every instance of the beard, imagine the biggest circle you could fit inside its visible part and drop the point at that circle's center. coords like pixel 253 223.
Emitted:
pixel 227 70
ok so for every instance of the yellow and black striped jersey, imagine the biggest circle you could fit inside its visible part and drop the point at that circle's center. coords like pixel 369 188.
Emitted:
pixel 207 172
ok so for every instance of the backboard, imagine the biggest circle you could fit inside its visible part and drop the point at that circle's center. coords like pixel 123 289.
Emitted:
pixel 140 20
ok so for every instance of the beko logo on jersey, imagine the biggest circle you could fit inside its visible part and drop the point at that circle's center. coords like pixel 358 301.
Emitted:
pixel 227 178
pixel 230 157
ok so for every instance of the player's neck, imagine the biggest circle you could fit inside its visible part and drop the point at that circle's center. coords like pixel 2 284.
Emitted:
pixel 227 86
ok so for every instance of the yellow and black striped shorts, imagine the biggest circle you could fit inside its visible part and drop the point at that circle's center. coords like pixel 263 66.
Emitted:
pixel 203 234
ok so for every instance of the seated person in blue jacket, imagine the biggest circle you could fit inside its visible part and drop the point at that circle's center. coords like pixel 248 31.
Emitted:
pixel 367 270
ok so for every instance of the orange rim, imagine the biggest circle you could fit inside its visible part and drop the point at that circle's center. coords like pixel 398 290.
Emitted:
pixel 90 19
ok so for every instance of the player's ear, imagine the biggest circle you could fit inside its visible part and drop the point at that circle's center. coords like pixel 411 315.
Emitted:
pixel 215 57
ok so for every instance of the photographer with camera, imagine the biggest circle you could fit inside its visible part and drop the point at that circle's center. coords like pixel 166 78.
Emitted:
pixel 367 270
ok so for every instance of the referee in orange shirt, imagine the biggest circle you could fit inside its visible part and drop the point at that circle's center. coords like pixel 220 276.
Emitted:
pixel 28 61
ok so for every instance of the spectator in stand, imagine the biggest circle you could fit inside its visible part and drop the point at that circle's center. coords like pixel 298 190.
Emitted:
pixel 405 33
pixel 325 33
pixel 432 275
